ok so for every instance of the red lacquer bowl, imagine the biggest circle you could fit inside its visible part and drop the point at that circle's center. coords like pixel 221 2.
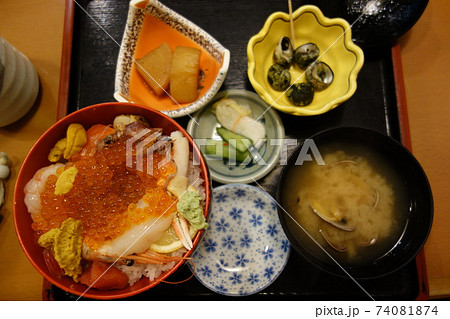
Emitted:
pixel 37 158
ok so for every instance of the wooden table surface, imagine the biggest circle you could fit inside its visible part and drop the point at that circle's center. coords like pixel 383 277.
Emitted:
pixel 35 27
pixel 425 52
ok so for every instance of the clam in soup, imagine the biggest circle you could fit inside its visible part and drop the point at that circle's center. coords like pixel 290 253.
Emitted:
pixel 354 206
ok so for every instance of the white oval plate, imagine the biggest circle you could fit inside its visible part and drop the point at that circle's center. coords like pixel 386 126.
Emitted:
pixel 244 249
pixel 203 126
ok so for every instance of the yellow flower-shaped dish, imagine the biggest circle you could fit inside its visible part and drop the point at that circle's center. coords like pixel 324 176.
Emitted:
pixel 334 39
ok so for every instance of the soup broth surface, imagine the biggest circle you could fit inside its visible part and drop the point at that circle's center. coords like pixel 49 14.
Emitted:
pixel 354 206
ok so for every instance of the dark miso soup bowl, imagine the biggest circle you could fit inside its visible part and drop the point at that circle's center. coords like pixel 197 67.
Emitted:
pixel 419 196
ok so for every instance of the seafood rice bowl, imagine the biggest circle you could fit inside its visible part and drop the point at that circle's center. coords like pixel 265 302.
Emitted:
pixel 111 200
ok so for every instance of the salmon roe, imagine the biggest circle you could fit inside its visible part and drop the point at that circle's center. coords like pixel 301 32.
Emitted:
pixel 105 193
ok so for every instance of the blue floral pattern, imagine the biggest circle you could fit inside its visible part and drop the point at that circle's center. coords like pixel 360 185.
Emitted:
pixel 228 242
pixel 241 260
pixel 253 279
pixel 268 272
pixel 221 265
pixel 210 245
pixel 267 253
pixel 235 278
pixel 285 246
pixel 245 249
pixel 221 198
pixel 221 289
pixel 246 241
pixel 256 220
pixel 274 205
pixel 272 230
pixel 206 271
pixel 259 203
pixel 240 193
pixel 222 225
pixel 236 213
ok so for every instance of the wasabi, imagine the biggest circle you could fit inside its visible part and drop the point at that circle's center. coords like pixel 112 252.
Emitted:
pixel 190 206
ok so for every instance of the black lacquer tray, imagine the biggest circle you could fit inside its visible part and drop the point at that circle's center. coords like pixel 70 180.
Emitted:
pixel 92 56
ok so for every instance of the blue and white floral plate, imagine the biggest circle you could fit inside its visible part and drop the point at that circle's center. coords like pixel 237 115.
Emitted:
pixel 244 249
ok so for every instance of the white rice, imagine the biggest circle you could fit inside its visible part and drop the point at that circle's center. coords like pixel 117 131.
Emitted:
pixel 151 271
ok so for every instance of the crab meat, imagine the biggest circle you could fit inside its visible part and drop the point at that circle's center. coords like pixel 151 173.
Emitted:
pixel 179 184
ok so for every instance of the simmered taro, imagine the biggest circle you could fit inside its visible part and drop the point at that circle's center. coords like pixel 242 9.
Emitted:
pixel 300 94
pixel 320 75
pixel 283 53
pixel 279 77
pixel 306 54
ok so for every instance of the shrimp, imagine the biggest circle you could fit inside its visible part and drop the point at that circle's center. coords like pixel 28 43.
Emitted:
pixel 36 186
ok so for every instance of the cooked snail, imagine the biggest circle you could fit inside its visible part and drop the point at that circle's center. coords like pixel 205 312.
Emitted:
pixel 283 53
pixel 279 77
pixel 320 75
pixel 300 94
pixel 306 54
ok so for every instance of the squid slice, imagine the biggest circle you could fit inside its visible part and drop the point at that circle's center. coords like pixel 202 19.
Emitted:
pixel 180 152
pixel 137 239
pixel 178 184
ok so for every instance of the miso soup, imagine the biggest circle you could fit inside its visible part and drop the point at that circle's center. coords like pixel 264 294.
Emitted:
pixel 354 206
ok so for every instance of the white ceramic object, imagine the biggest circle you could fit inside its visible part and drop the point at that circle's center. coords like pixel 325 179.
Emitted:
pixel 138 9
pixel 244 249
pixel 203 126
pixel 19 84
